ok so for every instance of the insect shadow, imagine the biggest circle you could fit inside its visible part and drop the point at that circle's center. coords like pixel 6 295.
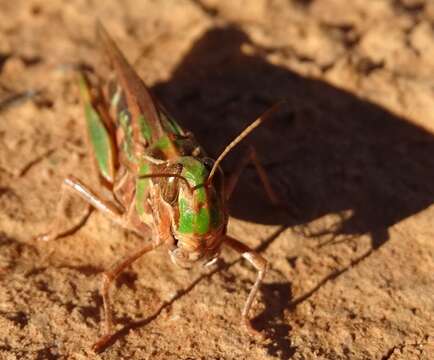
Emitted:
pixel 329 152
pixel 332 152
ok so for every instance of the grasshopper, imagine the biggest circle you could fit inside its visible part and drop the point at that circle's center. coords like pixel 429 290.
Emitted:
pixel 163 185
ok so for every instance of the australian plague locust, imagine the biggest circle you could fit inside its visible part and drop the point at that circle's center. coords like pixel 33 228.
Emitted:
pixel 164 188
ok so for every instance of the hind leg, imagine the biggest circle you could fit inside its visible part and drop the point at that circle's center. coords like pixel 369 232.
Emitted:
pixel 74 187
pixel 252 157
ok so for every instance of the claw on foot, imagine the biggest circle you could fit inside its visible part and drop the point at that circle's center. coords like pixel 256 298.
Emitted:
pixel 44 237
pixel 102 343
pixel 253 332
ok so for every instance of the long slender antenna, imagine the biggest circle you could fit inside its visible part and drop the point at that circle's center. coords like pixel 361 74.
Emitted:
pixel 265 116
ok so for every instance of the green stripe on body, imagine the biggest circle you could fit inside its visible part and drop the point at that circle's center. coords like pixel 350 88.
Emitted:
pixel 202 221
pixel 162 143
pixel 128 141
pixel 141 187
pixel 190 222
pixel 186 217
pixel 98 135
pixel 145 128
pixel 101 142
pixel 170 125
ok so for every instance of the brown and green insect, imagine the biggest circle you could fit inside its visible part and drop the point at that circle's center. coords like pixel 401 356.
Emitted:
pixel 163 186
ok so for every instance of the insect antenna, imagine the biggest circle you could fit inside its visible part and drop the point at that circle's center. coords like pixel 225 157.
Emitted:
pixel 261 119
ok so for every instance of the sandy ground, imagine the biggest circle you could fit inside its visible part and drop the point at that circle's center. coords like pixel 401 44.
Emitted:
pixel 352 262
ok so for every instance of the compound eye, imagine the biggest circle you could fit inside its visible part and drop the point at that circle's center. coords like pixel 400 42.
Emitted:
pixel 218 179
pixel 170 185
pixel 208 163
pixel 170 190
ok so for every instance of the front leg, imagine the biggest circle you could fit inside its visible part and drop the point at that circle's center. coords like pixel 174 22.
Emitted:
pixel 108 277
pixel 260 264
pixel 159 234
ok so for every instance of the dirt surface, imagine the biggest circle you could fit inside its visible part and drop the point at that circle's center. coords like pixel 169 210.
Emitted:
pixel 353 157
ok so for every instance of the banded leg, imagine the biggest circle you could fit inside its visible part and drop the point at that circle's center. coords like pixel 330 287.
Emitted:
pixel 260 264
pixel 73 186
pixel 251 156
pixel 108 277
